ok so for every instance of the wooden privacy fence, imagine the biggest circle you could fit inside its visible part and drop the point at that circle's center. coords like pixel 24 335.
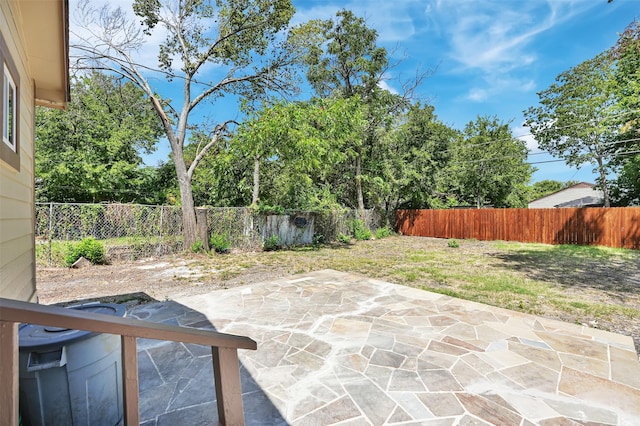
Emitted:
pixel 612 227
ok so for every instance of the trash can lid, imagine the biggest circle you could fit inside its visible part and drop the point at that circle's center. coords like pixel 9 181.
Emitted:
pixel 34 336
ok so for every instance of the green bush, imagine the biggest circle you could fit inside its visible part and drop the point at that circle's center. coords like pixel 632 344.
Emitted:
pixel 272 243
pixel 453 243
pixel 220 243
pixel 345 239
pixel 266 209
pixel 197 247
pixel 383 232
pixel 88 248
pixel 318 240
pixel 360 230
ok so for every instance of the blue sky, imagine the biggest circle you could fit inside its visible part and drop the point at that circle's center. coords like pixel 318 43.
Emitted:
pixel 490 56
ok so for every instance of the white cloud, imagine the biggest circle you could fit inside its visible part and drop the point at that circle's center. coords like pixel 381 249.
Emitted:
pixel 385 86
pixel 146 55
pixel 496 85
pixel 392 20
pixel 497 39
pixel 523 133
pixel 478 95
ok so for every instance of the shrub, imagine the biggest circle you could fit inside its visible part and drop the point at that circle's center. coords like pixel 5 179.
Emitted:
pixel 267 209
pixel 88 248
pixel 220 243
pixel 453 243
pixel 197 247
pixel 318 240
pixel 271 243
pixel 360 230
pixel 383 232
pixel 345 239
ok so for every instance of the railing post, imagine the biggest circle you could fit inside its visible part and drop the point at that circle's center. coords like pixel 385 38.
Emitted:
pixel 9 373
pixel 130 380
pixel 226 373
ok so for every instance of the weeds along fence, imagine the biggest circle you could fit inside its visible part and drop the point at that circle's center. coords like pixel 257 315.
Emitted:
pixel 128 230
pixel 133 231
pixel 612 227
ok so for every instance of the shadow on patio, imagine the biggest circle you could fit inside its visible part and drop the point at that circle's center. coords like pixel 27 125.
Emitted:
pixel 340 348
pixel 176 379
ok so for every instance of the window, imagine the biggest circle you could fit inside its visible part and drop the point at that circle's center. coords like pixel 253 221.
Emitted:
pixel 9 108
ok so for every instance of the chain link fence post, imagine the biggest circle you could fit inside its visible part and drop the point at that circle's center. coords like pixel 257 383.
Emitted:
pixel 50 236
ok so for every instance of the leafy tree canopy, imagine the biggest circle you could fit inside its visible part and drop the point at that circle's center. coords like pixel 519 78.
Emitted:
pixel 575 118
pixel 489 165
pixel 246 43
pixel 91 151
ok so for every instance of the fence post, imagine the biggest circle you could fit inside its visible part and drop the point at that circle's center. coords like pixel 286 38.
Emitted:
pixel 50 232
pixel 161 218
pixel 203 226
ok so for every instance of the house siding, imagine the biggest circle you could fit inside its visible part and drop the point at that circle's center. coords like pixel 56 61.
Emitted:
pixel 17 215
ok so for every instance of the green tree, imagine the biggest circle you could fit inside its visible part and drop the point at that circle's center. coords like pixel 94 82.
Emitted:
pixel 293 148
pixel 242 41
pixel 349 63
pixel 91 151
pixel 489 165
pixel 626 155
pixel 574 119
pixel 626 54
pixel 417 158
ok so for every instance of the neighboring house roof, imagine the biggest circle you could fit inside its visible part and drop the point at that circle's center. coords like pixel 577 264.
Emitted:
pixel 45 31
pixel 582 194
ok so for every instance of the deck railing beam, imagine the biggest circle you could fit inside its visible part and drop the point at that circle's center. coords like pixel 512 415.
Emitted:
pixel 224 351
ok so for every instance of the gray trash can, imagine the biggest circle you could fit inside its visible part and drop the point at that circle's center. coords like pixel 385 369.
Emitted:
pixel 71 377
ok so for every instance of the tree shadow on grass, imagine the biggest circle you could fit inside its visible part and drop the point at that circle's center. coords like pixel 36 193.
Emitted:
pixel 578 266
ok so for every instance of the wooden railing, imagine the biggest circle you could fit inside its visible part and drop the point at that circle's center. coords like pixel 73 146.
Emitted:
pixel 224 350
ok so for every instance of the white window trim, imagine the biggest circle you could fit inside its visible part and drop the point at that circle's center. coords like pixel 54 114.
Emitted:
pixel 9 134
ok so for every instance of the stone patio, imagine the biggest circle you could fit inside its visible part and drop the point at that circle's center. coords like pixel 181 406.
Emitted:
pixel 337 348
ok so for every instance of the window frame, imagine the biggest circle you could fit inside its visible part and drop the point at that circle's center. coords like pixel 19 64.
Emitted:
pixel 9 147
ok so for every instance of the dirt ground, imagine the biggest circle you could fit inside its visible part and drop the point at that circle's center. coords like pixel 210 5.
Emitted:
pixel 603 282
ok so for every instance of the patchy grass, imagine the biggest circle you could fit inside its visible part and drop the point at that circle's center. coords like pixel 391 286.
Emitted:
pixel 584 285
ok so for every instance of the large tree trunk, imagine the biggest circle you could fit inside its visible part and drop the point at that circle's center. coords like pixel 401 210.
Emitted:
pixel 189 220
pixel 256 181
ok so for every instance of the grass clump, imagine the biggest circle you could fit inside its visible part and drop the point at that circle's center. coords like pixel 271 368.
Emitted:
pixel 453 243
pixel 344 239
pixel 220 243
pixel 197 247
pixel 272 243
pixel 383 232
pixel 88 248
pixel 360 230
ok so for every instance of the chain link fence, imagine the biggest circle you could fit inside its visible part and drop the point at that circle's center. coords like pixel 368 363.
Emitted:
pixel 134 231
pixel 128 231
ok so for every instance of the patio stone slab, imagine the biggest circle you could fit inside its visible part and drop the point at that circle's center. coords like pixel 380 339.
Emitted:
pixel 338 348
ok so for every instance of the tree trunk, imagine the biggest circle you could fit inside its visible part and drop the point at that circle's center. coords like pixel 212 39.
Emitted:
pixel 603 181
pixel 359 196
pixel 189 220
pixel 256 181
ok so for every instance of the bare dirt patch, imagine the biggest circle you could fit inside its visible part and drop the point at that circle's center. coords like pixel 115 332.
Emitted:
pixel 596 287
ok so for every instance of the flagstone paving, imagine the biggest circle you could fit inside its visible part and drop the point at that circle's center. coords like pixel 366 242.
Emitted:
pixel 338 348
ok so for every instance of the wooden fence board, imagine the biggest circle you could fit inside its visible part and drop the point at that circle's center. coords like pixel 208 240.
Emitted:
pixel 612 227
